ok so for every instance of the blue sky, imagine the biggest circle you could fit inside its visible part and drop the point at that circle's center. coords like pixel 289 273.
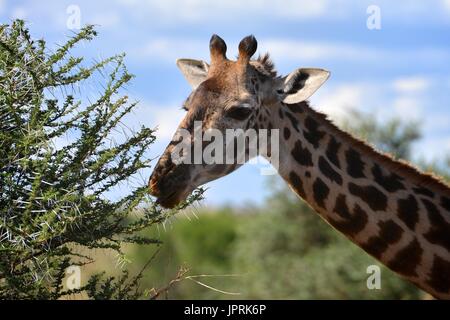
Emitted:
pixel 402 69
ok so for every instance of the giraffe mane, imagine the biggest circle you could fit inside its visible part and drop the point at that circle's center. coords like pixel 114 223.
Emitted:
pixel 264 65
pixel 404 167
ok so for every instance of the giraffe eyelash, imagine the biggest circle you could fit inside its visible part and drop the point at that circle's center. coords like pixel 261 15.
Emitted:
pixel 239 112
pixel 183 106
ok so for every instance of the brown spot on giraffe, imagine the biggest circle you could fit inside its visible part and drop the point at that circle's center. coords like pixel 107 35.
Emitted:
pixel 408 211
pixel 313 134
pixel 390 231
pixel 296 108
pixel 375 246
pixel 351 223
pixel 286 133
pixel 355 166
pixel 439 232
pixel 371 195
pixel 439 278
pixel 293 121
pixel 423 191
pixel 302 155
pixel 390 182
pixel 328 171
pixel 407 259
pixel 332 151
pixel 321 191
pixel 445 202
pixel 297 184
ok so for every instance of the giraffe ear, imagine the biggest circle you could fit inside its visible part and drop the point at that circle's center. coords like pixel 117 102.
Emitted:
pixel 300 84
pixel 195 71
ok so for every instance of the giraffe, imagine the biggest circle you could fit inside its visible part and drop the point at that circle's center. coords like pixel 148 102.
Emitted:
pixel 391 210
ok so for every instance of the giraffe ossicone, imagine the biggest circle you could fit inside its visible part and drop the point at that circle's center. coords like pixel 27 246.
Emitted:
pixel 395 213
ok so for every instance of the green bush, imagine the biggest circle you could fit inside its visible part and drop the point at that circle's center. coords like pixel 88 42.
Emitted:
pixel 204 244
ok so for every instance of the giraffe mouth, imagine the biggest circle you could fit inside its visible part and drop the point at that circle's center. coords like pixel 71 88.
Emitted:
pixel 170 200
pixel 169 185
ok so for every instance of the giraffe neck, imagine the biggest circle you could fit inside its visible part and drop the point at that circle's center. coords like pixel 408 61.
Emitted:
pixel 395 213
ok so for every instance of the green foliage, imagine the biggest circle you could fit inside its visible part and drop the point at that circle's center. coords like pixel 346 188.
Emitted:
pixel 204 244
pixel 61 157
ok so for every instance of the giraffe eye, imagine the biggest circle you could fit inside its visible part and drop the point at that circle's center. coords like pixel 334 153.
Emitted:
pixel 239 113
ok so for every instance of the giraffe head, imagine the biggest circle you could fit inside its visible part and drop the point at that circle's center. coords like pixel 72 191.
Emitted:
pixel 225 95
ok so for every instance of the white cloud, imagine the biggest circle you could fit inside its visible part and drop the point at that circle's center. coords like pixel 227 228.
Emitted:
pixel 409 101
pixel 170 49
pixel 167 121
pixel 437 122
pixel 316 50
pixel 407 108
pixel 446 5
pixel 447 144
pixel 171 12
pixel 439 146
pixel 105 19
pixel 369 97
pixel 309 50
pixel 413 84
pixel 52 16
pixel 19 13
pixel 202 10
pixel 165 117
pixel 431 149
pixel 337 101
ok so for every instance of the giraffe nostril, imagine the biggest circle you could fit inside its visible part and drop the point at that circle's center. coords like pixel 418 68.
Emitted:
pixel 165 168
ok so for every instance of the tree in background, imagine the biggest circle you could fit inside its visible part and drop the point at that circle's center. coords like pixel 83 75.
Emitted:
pixel 393 136
pixel 62 156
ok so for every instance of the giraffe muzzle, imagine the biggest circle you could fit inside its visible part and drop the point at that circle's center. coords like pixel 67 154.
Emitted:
pixel 167 197
pixel 169 187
